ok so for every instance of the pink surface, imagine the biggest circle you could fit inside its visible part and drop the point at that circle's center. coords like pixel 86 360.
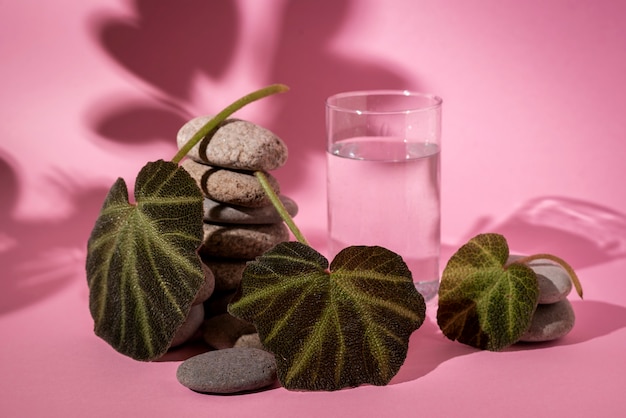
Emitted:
pixel 534 143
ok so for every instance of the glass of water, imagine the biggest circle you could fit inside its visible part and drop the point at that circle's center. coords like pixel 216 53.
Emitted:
pixel 383 177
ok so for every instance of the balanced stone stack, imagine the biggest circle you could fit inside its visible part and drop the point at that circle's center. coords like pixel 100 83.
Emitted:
pixel 240 222
pixel 554 317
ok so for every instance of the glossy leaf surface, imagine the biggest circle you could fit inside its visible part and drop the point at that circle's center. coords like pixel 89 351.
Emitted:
pixel 331 328
pixel 142 268
pixel 483 302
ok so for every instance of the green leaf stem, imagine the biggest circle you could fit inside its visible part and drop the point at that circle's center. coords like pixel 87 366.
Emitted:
pixel 226 112
pixel 557 260
pixel 280 208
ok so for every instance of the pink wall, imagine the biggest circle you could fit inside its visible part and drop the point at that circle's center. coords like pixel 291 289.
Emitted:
pixel 534 146
pixel 533 100
pixel 533 105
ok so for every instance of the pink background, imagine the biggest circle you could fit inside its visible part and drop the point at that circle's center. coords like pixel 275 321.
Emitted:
pixel 534 147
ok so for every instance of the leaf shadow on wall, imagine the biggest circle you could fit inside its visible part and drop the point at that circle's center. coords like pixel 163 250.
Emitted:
pixel 170 42
pixel 167 45
pixel 307 60
pixel 582 233
pixel 40 257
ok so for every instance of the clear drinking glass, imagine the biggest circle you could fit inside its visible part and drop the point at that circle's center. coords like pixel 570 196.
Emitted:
pixel 383 177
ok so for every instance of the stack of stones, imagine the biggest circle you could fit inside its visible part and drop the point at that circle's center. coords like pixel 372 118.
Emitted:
pixel 240 222
pixel 554 317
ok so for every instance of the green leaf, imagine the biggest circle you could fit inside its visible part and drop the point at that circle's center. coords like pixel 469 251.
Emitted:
pixel 483 302
pixel 331 329
pixel 142 267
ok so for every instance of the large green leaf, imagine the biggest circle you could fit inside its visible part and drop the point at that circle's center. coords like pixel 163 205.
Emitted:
pixel 331 328
pixel 142 267
pixel 483 302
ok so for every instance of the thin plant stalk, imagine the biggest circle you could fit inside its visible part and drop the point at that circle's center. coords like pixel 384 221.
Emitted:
pixel 559 261
pixel 282 211
pixel 220 117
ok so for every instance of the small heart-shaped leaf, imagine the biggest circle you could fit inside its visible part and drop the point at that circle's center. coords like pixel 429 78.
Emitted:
pixel 142 267
pixel 331 328
pixel 482 302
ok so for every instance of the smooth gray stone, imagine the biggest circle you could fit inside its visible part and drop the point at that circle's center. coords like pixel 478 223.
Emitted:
pixel 241 241
pixel 230 370
pixel 236 143
pixel 250 341
pixel 229 186
pixel 554 281
pixel 222 213
pixel 550 321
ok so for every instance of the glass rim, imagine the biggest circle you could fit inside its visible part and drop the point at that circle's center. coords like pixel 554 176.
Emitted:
pixel 434 101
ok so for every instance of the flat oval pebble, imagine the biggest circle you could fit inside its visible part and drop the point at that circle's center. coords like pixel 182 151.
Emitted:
pixel 241 241
pixel 554 281
pixel 229 186
pixel 219 212
pixel 550 321
pixel 236 143
pixel 227 272
pixel 230 370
